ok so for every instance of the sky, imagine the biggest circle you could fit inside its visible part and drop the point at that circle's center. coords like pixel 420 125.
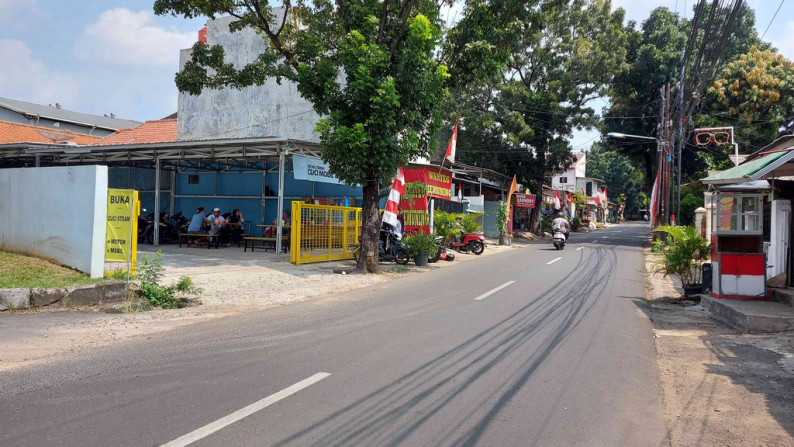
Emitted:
pixel 116 56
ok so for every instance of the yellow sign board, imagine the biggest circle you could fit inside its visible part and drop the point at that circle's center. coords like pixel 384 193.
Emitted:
pixel 121 237
pixel 574 198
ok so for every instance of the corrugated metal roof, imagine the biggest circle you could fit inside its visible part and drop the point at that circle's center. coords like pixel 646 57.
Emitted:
pixel 748 170
pixel 104 122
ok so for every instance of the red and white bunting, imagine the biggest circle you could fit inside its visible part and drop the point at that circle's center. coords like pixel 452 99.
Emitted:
pixel 393 202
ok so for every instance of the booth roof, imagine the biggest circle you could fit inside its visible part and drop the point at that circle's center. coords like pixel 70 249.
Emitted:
pixel 751 170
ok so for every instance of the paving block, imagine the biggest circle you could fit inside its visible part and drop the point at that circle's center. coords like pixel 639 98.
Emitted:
pixel 16 298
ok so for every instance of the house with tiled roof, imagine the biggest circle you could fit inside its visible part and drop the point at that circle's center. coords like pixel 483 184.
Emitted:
pixel 11 132
pixel 55 116
pixel 153 131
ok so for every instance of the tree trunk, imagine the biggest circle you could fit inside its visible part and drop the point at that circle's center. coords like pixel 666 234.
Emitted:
pixel 534 216
pixel 370 229
pixel 649 176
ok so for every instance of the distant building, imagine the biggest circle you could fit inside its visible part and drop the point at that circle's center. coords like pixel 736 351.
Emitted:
pixel 53 116
pixel 567 181
pixel 267 110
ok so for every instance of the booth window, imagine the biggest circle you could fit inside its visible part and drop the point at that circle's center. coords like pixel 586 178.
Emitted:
pixel 738 214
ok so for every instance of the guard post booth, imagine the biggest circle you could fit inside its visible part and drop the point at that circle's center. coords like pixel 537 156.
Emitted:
pixel 737 256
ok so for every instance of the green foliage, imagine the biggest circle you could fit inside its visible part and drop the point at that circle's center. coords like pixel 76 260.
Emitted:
pixel 419 243
pixel 501 217
pixel 576 223
pixel 150 273
pixel 684 254
pixel 445 224
pixel 566 54
pixel 624 180
pixel 546 222
pixel 471 222
pixel 758 89
pixel 691 199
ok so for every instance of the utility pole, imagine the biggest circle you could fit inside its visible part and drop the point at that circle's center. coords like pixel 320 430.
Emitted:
pixel 680 133
pixel 660 155
pixel 667 157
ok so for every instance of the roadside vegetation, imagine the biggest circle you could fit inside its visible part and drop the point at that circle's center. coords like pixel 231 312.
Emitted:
pixel 17 270
pixel 150 274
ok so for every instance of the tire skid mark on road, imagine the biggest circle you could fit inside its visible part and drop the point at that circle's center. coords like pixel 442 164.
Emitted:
pixel 392 413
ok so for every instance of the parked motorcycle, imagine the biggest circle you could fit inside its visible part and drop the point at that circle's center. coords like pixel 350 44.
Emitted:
pixel 469 242
pixel 144 224
pixel 170 227
pixel 389 248
pixel 558 236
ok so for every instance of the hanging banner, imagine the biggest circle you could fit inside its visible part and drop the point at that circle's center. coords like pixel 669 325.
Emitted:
pixel 413 207
pixel 122 221
pixel 439 184
pixel 525 200
pixel 312 169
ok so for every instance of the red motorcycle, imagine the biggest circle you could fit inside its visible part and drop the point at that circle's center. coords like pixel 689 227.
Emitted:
pixel 470 242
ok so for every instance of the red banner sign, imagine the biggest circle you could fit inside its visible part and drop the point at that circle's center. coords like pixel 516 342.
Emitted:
pixel 439 184
pixel 525 200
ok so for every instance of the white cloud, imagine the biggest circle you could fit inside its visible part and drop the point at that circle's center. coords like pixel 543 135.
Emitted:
pixel 26 78
pixel 124 37
pixel 16 14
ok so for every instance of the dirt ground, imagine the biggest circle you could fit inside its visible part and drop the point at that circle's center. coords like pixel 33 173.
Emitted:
pixel 721 387
pixel 234 282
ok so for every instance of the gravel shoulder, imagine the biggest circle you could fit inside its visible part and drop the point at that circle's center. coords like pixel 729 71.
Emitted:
pixel 721 387
pixel 234 282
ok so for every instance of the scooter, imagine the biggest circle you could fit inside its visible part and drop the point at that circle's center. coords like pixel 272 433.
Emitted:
pixel 558 237
pixel 474 242
pixel 389 248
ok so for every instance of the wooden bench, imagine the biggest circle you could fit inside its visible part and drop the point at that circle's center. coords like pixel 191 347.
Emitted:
pixel 186 237
pixel 268 242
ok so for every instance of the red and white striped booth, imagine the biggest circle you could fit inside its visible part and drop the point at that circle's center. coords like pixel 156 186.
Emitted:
pixel 737 256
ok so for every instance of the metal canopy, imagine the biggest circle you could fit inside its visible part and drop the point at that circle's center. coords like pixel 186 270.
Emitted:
pixel 201 154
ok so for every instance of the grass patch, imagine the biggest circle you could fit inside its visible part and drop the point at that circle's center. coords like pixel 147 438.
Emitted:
pixel 18 270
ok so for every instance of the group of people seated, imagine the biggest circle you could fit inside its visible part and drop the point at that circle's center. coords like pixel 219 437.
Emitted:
pixel 228 227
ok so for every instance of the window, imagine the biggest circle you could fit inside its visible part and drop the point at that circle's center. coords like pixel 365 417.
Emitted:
pixel 738 214
pixel 563 179
pixel 589 189
pixel 192 179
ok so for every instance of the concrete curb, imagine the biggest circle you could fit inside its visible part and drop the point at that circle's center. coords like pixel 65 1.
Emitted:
pixel 100 293
pixel 755 317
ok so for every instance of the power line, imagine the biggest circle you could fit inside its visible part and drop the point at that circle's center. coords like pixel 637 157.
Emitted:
pixel 773 19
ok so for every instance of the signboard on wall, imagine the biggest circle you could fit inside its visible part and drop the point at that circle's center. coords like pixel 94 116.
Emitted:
pixel 525 200
pixel 122 234
pixel 312 169
pixel 439 183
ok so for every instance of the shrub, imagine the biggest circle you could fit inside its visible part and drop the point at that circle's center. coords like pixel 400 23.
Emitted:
pixel 445 224
pixel 419 243
pixel 546 223
pixel 470 222
pixel 684 254
pixel 150 273
pixel 576 223
pixel 501 217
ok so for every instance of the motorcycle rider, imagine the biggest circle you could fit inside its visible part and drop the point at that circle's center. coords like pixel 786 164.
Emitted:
pixel 562 224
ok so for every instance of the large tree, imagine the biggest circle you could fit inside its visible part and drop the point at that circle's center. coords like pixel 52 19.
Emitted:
pixel 623 178
pixel 520 122
pixel 375 70
pixel 755 94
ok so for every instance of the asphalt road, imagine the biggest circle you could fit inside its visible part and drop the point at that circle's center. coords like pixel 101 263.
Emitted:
pixel 556 352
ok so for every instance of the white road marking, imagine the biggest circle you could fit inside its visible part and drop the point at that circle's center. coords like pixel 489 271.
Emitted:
pixel 492 291
pixel 554 260
pixel 225 421
pixel 580 248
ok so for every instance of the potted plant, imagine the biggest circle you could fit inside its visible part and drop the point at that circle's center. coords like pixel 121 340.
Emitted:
pixel 421 246
pixel 684 253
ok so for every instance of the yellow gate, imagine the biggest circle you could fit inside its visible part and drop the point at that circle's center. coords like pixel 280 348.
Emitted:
pixel 323 233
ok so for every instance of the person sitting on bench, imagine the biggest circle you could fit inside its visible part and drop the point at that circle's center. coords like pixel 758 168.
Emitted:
pixel 216 222
pixel 197 225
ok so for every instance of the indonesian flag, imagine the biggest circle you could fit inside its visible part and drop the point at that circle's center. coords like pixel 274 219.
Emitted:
pixel 393 202
pixel 557 204
pixel 453 142
pixel 654 199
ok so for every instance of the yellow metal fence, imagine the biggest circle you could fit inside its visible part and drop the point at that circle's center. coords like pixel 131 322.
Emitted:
pixel 323 233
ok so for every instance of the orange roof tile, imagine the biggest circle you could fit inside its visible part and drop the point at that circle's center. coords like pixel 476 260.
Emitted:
pixel 11 132
pixel 155 131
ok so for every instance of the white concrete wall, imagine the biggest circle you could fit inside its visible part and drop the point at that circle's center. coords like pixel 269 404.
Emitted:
pixel 570 175
pixel 256 111
pixel 57 213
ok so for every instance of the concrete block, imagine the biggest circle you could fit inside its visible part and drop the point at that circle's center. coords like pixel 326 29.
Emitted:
pixel 17 298
pixel 95 294
pixel 755 317
pixel 785 296
pixel 45 297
